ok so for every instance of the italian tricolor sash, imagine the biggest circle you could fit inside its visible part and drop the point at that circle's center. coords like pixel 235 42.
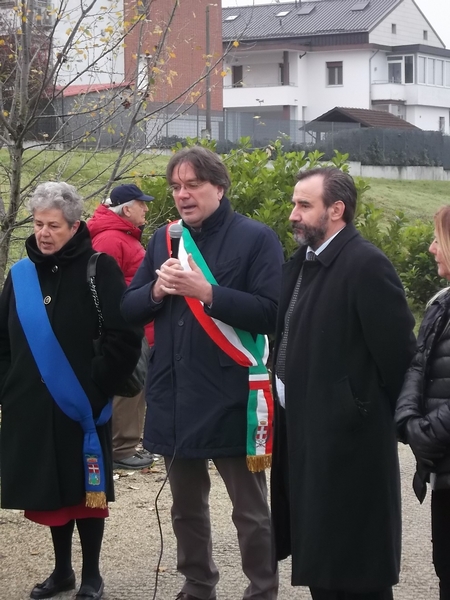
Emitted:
pixel 245 351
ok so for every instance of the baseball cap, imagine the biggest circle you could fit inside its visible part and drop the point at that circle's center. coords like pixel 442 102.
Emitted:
pixel 126 193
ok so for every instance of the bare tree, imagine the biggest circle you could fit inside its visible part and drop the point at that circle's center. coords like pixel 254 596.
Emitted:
pixel 48 55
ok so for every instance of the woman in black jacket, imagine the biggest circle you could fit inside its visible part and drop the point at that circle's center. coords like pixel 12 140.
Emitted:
pixel 423 409
pixel 55 389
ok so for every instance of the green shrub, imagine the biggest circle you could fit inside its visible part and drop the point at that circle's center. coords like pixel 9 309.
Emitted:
pixel 262 184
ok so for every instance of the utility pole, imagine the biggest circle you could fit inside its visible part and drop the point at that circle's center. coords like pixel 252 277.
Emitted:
pixel 208 78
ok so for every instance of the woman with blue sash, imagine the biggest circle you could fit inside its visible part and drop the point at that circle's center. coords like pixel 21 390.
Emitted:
pixel 55 389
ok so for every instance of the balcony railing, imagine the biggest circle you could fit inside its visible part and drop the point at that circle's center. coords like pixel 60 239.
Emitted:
pixel 258 85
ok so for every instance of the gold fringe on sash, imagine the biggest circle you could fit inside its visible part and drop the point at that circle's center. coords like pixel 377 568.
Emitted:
pixel 259 463
pixel 96 500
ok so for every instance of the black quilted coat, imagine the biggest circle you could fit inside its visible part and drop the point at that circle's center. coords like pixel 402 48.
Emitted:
pixel 426 393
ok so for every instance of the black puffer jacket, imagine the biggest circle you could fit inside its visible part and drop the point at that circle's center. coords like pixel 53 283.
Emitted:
pixel 426 392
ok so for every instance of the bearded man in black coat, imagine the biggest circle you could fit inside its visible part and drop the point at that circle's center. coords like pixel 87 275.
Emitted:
pixel 344 341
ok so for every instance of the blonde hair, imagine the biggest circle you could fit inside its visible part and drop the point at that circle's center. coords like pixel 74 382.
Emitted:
pixel 442 227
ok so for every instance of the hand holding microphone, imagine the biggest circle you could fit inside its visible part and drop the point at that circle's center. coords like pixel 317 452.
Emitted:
pixel 173 280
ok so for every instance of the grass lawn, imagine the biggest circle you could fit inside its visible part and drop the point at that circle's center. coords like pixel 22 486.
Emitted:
pixel 87 171
pixel 417 199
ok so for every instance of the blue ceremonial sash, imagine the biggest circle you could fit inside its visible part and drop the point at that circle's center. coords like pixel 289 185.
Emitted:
pixel 58 375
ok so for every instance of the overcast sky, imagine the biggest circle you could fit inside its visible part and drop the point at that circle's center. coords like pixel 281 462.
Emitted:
pixel 436 11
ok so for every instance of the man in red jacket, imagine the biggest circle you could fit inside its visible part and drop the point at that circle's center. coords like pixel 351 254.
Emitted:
pixel 116 228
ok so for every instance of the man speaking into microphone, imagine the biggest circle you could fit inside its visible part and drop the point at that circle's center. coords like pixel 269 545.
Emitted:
pixel 210 282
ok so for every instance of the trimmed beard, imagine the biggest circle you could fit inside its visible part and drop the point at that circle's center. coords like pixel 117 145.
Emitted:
pixel 311 235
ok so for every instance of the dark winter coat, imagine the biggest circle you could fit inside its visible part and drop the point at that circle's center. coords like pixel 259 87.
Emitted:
pixel 426 392
pixel 335 475
pixel 197 395
pixel 121 239
pixel 41 448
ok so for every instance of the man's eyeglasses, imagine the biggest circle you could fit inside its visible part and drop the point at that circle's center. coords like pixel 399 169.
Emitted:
pixel 189 186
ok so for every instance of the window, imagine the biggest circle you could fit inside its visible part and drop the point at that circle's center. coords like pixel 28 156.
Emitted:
pixel 430 71
pixel 231 18
pixel 439 72
pixel 360 5
pixel 409 69
pixel 237 75
pixel 442 124
pixel 422 69
pixel 433 71
pixel 334 73
pixel 394 28
pixel 400 69
pixel 395 72
pixel 281 71
pixel 425 34
pixel 283 13
pixel 306 10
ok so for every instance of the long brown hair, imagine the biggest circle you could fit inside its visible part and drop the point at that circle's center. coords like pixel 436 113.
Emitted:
pixel 442 227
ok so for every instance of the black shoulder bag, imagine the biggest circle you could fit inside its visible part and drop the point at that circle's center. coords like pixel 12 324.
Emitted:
pixel 135 383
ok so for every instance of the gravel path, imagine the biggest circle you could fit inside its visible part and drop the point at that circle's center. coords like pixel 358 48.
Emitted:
pixel 132 545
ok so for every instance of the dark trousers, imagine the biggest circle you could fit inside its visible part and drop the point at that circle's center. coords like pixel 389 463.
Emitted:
pixel 319 594
pixel 190 484
pixel 440 532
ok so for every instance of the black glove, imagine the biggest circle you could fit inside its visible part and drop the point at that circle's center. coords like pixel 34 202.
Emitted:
pixel 427 449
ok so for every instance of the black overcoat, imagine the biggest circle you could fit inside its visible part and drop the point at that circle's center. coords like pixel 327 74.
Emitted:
pixel 41 448
pixel 335 477
pixel 196 394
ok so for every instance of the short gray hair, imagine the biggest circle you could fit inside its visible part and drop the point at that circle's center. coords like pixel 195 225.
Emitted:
pixel 118 210
pixel 61 195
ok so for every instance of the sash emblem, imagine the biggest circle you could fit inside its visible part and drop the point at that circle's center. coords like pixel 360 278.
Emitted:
pixel 93 470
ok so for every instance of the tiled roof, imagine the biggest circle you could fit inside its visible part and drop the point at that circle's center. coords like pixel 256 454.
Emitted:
pixel 322 17
pixel 366 117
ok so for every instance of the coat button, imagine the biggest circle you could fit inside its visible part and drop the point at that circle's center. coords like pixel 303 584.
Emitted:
pixel 181 322
pixel 55 269
pixel 47 299
pixel 177 356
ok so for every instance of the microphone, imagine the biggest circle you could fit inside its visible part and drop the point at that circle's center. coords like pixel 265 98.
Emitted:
pixel 175 233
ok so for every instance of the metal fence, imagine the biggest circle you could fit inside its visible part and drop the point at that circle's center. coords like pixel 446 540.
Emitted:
pixel 370 146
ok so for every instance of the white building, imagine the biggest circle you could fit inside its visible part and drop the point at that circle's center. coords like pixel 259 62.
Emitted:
pixel 299 60
pixel 94 56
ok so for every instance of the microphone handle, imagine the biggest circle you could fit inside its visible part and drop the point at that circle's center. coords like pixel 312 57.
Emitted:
pixel 174 245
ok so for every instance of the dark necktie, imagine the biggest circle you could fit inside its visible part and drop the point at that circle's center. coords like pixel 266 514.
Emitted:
pixel 281 357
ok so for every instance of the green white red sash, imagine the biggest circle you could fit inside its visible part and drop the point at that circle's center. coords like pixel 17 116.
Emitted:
pixel 245 351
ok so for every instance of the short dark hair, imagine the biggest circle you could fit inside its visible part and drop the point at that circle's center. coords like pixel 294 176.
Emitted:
pixel 207 166
pixel 337 185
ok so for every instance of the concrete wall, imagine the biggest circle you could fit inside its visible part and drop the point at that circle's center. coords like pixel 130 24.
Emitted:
pixel 409 173
pixel 353 92
pixel 410 25
pixel 427 117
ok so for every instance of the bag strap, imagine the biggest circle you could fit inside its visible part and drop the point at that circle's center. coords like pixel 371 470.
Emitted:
pixel 91 274
pixel 59 377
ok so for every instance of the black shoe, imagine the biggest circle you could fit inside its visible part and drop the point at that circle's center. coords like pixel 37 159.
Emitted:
pixel 135 462
pixel 50 588
pixel 185 596
pixel 87 592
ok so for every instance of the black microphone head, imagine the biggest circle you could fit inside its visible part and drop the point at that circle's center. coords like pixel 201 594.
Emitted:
pixel 175 231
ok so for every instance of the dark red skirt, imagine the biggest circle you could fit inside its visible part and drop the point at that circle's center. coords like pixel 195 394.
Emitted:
pixel 55 518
